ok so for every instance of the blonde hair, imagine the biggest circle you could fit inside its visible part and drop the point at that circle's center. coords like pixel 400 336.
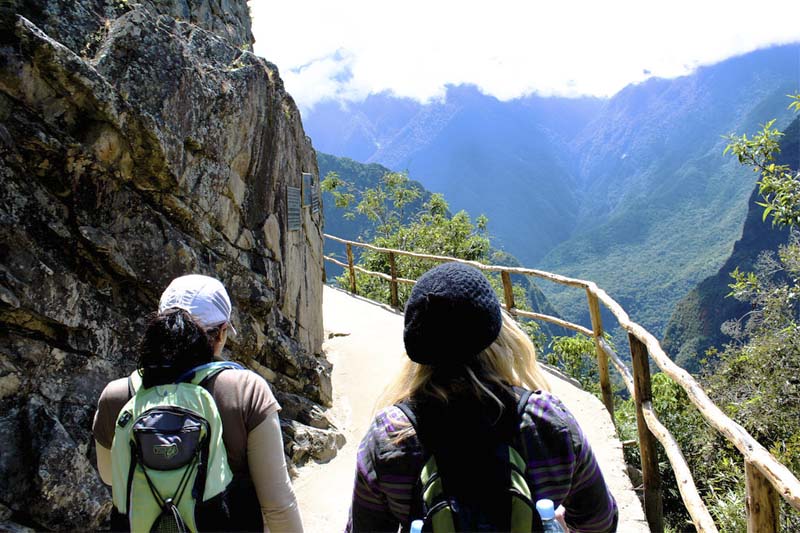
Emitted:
pixel 510 360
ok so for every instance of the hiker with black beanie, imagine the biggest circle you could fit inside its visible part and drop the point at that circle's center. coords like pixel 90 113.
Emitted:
pixel 460 429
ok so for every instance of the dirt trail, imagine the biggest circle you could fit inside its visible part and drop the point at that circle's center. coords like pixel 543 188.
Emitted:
pixel 365 345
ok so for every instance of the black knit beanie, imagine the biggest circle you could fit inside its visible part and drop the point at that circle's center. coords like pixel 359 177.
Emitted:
pixel 451 315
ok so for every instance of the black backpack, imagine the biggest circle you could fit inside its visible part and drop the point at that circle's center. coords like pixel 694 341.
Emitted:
pixel 445 508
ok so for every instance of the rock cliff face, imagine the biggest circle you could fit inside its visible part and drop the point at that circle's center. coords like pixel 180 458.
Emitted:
pixel 139 142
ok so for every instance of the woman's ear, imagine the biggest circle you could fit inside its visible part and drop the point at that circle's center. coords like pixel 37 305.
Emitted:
pixel 219 341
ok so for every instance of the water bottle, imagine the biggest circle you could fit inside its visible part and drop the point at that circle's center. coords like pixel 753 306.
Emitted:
pixel 416 526
pixel 548 514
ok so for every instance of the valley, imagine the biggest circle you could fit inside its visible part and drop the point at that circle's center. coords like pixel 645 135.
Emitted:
pixel 632 192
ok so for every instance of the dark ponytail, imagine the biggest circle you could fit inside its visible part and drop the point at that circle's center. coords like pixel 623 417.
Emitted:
pixel 173 343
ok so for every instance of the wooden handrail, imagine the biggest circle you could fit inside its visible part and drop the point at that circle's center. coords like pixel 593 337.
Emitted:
pixel 602 360
pixel 563 280
pixel 508 290
pixel 627 377
pixel 691 497
pixel 763 511
pixel 393 280
pixel 778 475
pixel 766 476
pixel 363 270
pixel 683 475
pixel 351 269
pixel 552 320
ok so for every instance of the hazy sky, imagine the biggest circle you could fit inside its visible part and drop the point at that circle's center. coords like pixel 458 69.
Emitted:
pixel 347 49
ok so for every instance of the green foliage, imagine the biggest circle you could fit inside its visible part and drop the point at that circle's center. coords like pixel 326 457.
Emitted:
pixel 728 511
pixel 757 380
pixel 431 230
pixel 348 178
pixel 333 184
pixel 383 205
pixel 795 105
pixel 758 377
pixel 575 355
pixel 534 331
pixel 778 185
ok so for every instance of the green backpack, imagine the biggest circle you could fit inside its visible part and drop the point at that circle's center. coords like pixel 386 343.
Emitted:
pixel 169 463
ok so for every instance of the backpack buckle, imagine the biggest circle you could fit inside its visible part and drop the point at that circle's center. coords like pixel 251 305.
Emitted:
pixel 124 419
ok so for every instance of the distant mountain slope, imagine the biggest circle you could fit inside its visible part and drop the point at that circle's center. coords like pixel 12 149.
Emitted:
pixel 662 205
pixel 695 324
pixel 358 131
pixel 507 160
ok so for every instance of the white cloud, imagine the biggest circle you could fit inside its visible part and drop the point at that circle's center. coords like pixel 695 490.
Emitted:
pixel 508 48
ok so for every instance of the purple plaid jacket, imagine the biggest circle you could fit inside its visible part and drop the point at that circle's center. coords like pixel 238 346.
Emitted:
pixel 560 466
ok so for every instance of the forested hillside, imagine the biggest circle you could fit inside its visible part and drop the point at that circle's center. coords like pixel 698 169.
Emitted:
pixel 662 205
pixel 696 323
pixel 632 192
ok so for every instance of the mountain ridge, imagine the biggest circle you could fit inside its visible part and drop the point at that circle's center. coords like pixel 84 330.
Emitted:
pixel 632 192
pixel 669 212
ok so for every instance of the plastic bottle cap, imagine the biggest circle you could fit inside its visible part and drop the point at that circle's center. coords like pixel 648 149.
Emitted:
pixel 546 509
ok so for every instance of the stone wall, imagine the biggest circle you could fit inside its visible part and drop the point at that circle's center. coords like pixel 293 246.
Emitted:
pixel 139 142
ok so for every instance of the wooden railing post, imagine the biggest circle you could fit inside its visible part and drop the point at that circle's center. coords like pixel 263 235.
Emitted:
pixel 653 506
pixel 393 283
pixel 763 511
pixel 602 358
pixel 508 290
pixel 351 268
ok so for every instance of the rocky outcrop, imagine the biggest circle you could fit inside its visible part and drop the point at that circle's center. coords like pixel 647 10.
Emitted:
pixel 139 142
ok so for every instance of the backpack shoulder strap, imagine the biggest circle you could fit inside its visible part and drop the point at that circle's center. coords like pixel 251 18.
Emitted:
pixel 405 407
pixel 134 383
pixel 519 445
pixel 428 489
pixel 199 375
pixel 202 375
pixel 524 396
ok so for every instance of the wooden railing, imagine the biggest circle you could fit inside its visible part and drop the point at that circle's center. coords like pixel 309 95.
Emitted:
pixel 766 478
